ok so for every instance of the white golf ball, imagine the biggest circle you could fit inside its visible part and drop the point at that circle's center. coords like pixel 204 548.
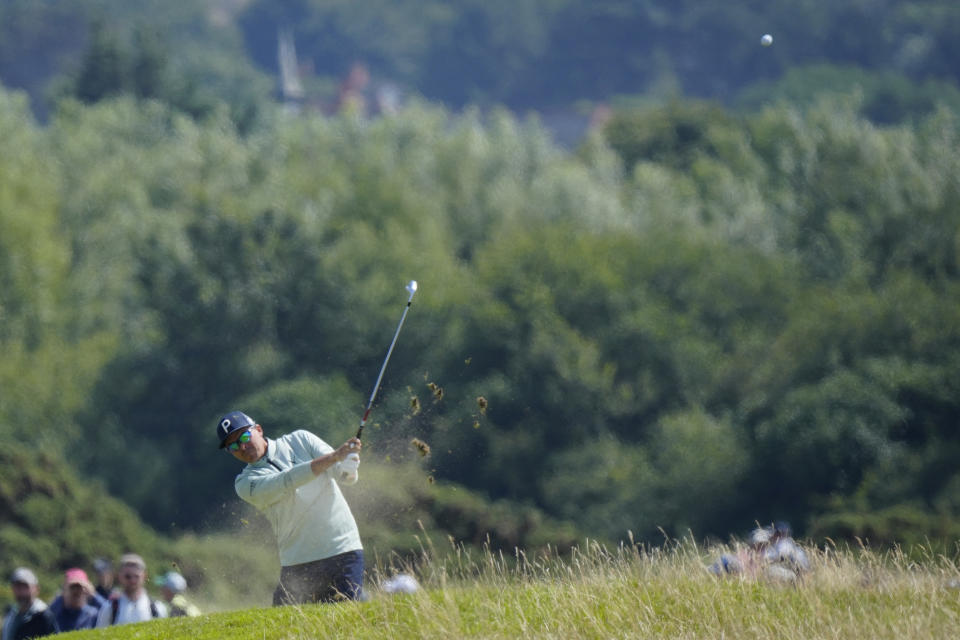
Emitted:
pixel 766 40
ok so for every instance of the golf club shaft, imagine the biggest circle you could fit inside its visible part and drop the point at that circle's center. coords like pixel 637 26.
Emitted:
pixel 412 288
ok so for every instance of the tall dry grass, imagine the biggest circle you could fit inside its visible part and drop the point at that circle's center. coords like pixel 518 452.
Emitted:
pixel 634 591
pixel 624 592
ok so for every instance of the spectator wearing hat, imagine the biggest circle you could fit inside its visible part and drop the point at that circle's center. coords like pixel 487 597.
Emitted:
pixel 132 603
pixel 72 608
pixel 29 617
pixel 172 587
pixel 294 481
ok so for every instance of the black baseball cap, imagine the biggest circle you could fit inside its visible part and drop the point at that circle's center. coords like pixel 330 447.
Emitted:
pixel 231 422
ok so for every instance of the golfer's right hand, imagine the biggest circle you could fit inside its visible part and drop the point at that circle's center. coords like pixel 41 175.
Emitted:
pixel 353 445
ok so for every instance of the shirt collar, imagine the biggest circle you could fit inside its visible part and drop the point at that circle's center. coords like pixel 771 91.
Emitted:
pixel 270 454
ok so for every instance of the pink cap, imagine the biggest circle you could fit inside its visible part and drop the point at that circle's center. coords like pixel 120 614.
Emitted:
pixel 76 576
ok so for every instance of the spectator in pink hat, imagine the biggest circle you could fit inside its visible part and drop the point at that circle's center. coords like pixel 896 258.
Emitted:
pixel 71 608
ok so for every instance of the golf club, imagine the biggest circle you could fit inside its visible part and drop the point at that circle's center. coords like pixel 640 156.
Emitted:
pixel 412 288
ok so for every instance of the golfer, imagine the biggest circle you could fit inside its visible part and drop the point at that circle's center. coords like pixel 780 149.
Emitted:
pixel 293 481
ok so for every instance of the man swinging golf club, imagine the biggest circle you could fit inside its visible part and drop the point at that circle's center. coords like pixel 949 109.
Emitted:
pixel 293 480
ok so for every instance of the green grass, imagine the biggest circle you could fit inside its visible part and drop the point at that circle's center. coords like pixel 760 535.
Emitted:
pixel 600 593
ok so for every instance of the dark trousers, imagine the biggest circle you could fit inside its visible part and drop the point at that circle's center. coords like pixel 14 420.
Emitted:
pixel 329 580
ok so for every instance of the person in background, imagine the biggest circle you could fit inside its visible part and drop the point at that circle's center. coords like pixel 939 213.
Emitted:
pixel 294 481
pixel 785 552
pixel 104 571
pixel 133 603
pixel 172 587
pixel 771 555
pixel 29 617
pixel 747 560
pixel 72 608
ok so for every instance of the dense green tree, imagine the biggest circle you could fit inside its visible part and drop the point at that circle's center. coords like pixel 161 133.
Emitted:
pixel 47 368
pixel 674 135
pixel 688 476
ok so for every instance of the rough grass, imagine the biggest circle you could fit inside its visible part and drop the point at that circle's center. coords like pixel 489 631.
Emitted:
pixel 596 592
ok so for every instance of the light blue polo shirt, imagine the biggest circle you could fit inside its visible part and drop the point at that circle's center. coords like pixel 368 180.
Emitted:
pixel 308 513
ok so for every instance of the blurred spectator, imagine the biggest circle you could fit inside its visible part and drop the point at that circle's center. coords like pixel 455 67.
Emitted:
pixel 172 586
pixel 132 603
pixel 785 552
pixel 772 554
pixel 29 617
pixel 104 571
pixel 72 608
pixel 746 560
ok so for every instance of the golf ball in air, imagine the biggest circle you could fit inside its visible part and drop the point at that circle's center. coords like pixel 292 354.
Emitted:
pixel 766 40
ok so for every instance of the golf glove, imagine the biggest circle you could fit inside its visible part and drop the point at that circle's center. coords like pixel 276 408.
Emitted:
pixel 349 472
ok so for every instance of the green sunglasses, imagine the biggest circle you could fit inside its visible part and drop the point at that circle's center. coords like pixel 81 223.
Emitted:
pixel 243 439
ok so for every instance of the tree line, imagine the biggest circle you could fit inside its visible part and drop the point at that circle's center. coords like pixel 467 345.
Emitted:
pixel 698 319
